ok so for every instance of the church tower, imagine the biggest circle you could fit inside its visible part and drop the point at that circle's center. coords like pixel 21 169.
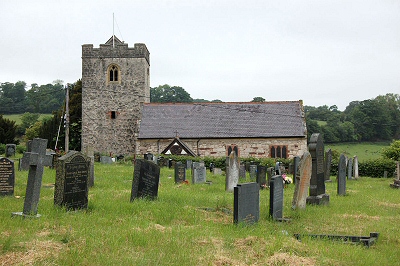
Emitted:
pixel 115 84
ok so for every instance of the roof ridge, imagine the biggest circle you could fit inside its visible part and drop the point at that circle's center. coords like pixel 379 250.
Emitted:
pixel 220 103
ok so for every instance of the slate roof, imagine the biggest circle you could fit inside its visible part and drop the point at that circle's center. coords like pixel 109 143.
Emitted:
pixel 222 120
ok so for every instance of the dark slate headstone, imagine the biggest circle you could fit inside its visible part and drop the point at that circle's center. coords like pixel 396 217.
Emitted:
pixel 328 161
pixel 7 177
pixel 270 174
pixel 303 178
pixel 148 156
pixel 37 160
pixel 276 198
pixel 242 172
pixel 341 180
pixel 180 173
pixel 232 172
pixel 10 150
pixel 199 175
pixel 145 180
pixel 317 182
pixel 261 176
pixel 296 161
pixel 253 172
pixel 246 203
pixel 97 156
pixel 72 176
pixel 350 169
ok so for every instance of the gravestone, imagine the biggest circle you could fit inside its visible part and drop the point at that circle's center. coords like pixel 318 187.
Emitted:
pixel 97 156
pixel 242 172
pixel 189 164
pixel 148 156
pixel 317 183
pixel 276 198
pixel 296 161
pixel 217 171
pixel 37 160
pixel 328 162
pixel 246 207
pixel 7 177
pixel 72 177
pixel 270 174
pixel 10 150
pixel 180 173
pixel 24 161
pixel 253 172
pixel 90 154
pixel 350 169
pixel 199 175
pixel 303 178
pixel 341 180
pixel 106 160
pixel 355 167
pixel 278 168
pixel 146 178
pixel 261 176
pixel 232 172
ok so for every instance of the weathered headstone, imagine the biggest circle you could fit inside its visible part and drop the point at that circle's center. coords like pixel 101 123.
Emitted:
pixel 72 176
pixel 232 172
pixel 261 176
pixel 278 168
pixel 37 160
pixel 276 198
pixel 189 164
pixel 7 177
pixel 296 161
pixel 396 183
pixel 397 170
pixel 355 167
pixel 106 160
pixel 242 172
pixel 317 183
pixel 270 174
pixel 145 180
pixel 341 180
pixel 10 150
pixel 328 161
pixel 199 175
pixel 148 156
pixel 24 161
pixel 350 169
pixel 180 173
pixel 217 171
pixel 90 154
pixel 253 172
pixel 303 178
pixel 246 203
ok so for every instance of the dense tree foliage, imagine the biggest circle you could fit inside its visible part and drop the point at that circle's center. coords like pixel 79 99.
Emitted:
pixel 258 99
pixel 168 94
pixel 8 131
pixel 393 151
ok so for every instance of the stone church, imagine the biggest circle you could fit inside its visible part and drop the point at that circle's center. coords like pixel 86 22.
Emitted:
pixel 118 118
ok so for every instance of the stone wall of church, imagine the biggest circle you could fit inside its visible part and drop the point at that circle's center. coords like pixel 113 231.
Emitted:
pixel 111 109
pixel 255 147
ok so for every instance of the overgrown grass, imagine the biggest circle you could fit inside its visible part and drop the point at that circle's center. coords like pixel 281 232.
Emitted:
pixel 193 225
pixel 364 150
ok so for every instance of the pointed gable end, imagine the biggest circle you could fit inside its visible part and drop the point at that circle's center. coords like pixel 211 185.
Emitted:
pixel 178 147
pixel 116 41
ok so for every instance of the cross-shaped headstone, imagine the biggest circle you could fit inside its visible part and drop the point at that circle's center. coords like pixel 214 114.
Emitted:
pixel 37 160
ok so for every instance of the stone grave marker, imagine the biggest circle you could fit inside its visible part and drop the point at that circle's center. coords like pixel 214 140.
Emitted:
pixel 328 162
pixel 148 156
pixel 180 173
pixel 72 181
pixel 270 174
pixel 217 171
pixel 146 178
pixel 261 176
pixel 317 183
pixel 90 154
pixel 189 164
pixel 303 178
pixel 276 198
pixel 10 150
pixel 37 160
pixel 106 160
pixel 341 180
pixel 253 172
pixel 199 175
pixel 232 172
pixel 242 172
pixel 246 207
pixel 7 177
pixel 277 168
pixel 355 167
pixel 350 169
pixel 396 183
pixel 296 161
pixel 24 161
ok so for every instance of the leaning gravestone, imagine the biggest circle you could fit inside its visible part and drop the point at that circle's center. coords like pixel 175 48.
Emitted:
pixel 261 176
pixel 253 172
pixel 232 172
pixel 10 150
pixel 276 198
pixel 37 160
pixel 355 167
pixel 328 161
pixel 302 182
pixel 7 177
pixel 72 176
pixel 146 178
pixel 246 207
pixel 350 169
pixel 341 180
pixel 199 175
pixel 180 173
pixel 317 183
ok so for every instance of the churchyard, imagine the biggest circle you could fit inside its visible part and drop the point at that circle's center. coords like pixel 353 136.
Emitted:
pixel 193 224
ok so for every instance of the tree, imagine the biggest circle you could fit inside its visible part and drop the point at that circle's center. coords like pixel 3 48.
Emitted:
pixel 28 119
pixel 12 97
pixel 393 151
pixel 258 99
pixel 7 131
pixel 168 94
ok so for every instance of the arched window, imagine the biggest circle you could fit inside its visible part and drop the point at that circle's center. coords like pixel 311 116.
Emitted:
pixel 113 74
pixel 278 151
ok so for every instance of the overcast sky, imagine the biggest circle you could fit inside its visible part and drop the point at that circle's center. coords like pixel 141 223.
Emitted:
pixel 322 52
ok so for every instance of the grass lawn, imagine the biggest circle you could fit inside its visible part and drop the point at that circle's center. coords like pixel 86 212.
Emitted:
pixel 364 150
pixel 17 117
pixel 193 225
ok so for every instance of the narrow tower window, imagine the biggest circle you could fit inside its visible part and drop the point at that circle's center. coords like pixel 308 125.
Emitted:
pixel 113 74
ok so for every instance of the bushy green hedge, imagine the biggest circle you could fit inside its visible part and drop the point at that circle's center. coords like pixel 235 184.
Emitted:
pixel 2 149
pixel 370 168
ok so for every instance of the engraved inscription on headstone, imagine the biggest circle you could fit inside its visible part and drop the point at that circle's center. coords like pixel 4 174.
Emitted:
pixel 276 198
pixel 180 172
pixel 253 172
pixel 145 180
pixel 7 177
pixel 199 175
pixel 261 176
pixel 246 203
pixel 72 175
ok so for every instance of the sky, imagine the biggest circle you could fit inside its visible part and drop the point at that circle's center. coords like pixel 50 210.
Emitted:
pixel 324 52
